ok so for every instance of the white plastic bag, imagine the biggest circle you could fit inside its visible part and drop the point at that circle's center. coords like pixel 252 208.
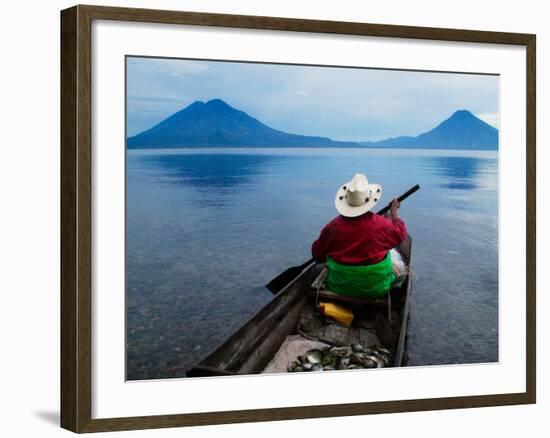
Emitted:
pixel 398 264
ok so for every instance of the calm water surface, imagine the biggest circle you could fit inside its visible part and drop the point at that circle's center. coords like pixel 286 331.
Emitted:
pixel 206 229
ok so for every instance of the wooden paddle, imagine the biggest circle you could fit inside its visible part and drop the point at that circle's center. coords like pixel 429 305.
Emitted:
pixel 281 280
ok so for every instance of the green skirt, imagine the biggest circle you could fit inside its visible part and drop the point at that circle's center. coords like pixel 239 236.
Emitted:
pixel 367 281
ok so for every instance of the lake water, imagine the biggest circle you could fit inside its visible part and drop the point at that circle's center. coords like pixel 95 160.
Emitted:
pixel 206 229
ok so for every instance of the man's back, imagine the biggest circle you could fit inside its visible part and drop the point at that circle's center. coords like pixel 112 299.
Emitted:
pixel 362 240
pixel 356 244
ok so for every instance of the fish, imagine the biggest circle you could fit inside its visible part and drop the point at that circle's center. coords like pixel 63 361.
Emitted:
pixel 340 351
pixel 314 356
pixel 357 358
pixel 292 366
pixel 332 358
pixel 370 364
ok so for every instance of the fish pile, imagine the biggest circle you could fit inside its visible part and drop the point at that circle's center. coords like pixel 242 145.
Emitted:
pixel 340 358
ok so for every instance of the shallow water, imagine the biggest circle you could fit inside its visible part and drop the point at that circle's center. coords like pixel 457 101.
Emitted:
pixel 206 229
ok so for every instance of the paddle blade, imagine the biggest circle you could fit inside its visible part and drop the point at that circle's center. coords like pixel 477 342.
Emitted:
pixel 281 280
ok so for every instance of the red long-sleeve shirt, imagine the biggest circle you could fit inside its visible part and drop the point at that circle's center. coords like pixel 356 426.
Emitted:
pixel 362 240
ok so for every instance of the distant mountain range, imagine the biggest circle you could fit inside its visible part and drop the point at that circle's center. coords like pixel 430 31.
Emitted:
pixel 462 130
pixel 216 124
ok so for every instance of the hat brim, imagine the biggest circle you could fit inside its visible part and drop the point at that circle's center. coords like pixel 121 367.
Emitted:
pixel 351 211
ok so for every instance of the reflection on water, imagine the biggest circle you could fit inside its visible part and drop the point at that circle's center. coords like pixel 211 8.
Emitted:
pixel 206 229
pixel 459 173
pixel 206 171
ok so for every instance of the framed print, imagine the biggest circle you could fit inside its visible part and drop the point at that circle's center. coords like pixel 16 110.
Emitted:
pixel 275 211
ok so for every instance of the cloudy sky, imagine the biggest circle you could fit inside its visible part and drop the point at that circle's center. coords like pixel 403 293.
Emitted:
pixel 340 103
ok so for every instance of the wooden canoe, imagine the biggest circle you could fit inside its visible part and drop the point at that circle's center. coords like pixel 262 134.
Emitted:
pixel 251 348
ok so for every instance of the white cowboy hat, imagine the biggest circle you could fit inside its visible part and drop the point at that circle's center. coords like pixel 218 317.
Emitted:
pixel 357 196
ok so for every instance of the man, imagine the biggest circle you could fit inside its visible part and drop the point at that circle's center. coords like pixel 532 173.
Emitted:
pixel 356 244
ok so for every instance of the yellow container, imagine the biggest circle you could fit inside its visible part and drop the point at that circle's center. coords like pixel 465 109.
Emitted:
pixel 339 313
